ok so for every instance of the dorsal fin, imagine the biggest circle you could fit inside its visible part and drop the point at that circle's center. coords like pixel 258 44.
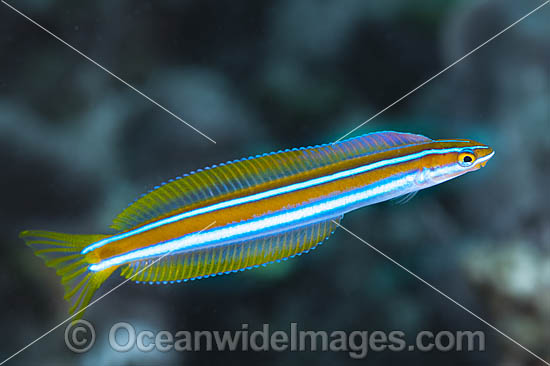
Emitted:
pixel 216 183
pixel 231 258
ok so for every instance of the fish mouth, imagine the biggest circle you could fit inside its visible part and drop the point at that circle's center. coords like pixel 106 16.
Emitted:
pixel 483 160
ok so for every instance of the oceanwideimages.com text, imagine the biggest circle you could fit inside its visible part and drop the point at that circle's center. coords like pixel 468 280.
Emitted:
pixel 124 337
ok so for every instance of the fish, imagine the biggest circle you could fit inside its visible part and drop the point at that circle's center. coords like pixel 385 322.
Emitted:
pixel 250 212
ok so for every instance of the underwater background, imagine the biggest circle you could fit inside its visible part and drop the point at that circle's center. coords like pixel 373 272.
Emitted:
pixel 77 146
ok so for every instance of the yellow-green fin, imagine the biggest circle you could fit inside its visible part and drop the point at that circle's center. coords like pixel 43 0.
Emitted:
pixel 62 252
pixel 230 258
pixel 212 184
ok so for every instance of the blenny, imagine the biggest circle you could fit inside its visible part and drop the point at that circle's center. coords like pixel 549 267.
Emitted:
pixel 251 212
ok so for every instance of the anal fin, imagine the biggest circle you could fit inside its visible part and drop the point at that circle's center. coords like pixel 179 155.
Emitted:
pixel 231 258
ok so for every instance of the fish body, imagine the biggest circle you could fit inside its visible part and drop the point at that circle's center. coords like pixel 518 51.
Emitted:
pixel 253 211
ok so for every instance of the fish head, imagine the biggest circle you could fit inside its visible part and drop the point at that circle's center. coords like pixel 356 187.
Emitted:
pixel 453 158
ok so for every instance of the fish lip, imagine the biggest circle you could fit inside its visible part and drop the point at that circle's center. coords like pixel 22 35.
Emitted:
pixel 485 159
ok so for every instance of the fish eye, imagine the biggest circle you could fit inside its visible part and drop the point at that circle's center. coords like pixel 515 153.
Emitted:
pixel 466 158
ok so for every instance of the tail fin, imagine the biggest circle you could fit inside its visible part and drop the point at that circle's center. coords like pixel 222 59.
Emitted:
pixel 62 252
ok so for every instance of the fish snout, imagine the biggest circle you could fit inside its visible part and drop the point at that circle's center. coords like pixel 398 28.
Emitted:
pixel 484 156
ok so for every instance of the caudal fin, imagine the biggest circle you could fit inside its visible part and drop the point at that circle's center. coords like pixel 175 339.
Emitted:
pixel 62 252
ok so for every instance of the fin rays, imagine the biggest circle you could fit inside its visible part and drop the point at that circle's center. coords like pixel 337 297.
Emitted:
pixel 214 184
pixel 62 252
pixel 231 258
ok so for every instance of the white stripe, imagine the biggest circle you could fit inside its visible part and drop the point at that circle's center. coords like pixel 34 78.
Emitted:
pixel 264 225
pixel 274 223
pixel 275 192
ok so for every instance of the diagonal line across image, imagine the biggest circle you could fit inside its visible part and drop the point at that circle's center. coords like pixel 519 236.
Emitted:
pixel 92 303
pixel 110 73
pixel 441 293
pixel 353 130
pixel 446 69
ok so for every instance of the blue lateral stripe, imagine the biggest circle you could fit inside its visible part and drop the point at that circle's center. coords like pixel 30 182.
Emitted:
pixel 262 225
pixel 275 192
pixel 259 226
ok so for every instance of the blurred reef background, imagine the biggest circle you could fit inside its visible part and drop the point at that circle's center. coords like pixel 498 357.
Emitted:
pixel 77 146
